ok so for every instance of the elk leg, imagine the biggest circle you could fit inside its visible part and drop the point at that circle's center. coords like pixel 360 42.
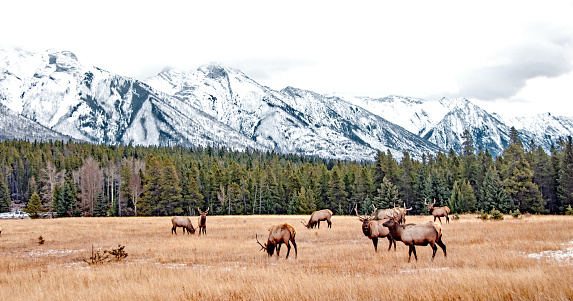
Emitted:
pixel 278 249
pixel 438 219
pixel 318 225
pixel 447 219
pixel 295 251
pixel 390 240
pixel 288 249
pixel 174 230
pixel 375 242
pixel 412 250
pixel 441 244
pixel 329 224
pixel 434 249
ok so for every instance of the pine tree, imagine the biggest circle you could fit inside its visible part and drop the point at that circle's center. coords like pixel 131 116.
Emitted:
pixel 5 200
pixel 170 200
pixel 522 190
pixel 34 206
pixel 102 207
pixel 456 199
pixel 151 192
pixel 387 195
pixel 468 196
pixel 337 192
pixel 565 177
pixel 493 193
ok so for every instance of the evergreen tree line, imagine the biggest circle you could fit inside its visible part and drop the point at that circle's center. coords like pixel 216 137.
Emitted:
pixel 81 179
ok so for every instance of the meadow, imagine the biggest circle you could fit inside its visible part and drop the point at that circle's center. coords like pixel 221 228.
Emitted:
pixel 515 259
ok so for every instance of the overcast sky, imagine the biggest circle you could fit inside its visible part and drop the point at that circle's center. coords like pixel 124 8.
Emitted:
pixel 510 57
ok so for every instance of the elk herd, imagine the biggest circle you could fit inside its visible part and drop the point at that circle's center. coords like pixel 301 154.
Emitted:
pixel 382 223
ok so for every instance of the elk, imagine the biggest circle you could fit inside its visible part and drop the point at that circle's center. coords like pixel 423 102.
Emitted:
pixel 317 216
pixel 375 229
pixel 401 217
pixel 183 222
pixel 382 214
pixel 417 235
pixel 438 211
pixel 279 234
pixel 202 221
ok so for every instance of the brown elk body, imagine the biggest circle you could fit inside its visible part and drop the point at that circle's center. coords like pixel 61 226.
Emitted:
pixel 438 211
pixel 374 229
pixel 417 235
pixel 202 221
pixel 383 214
pixel 183 222
pixel 278 235
pixel 317 216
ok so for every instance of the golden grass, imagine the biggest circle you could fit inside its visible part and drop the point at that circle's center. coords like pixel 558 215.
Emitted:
pixel 486 261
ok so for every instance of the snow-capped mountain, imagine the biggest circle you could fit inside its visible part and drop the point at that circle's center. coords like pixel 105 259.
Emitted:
pixel 90 104
pixel 544 129
pixel 290 120
pixel 220 106
pixel 16 126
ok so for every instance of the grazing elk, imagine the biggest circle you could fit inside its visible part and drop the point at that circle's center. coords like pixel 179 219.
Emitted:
pixel 317 216
pixel 375 229
pixel 279 234
pixel 202 221
pixel 183 222
pixel 417 235
pixel 438 211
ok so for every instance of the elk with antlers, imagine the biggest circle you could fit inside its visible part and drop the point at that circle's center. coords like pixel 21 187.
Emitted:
pixel 438 211
pixel 203 221
pixel 317 216
pixel 375 229
pixel 279 234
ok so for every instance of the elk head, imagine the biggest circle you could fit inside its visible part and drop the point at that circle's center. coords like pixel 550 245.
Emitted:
pixel 267 247
pixel 430 206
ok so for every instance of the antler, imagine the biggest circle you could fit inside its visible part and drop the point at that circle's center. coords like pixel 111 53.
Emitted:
pixel 257 238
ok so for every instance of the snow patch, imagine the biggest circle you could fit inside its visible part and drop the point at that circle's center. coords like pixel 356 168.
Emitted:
pixel 559 256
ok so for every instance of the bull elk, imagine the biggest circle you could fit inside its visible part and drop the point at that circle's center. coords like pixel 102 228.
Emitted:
pixel 316 217
pixel 417 235
pixel 183 222
pixel 401 216
pixel 438 211
pixel 375 229
pixel 202 221
pixel 382 214
pixel 279 234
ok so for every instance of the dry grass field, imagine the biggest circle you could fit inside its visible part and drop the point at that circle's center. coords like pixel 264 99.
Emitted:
pixel 514 259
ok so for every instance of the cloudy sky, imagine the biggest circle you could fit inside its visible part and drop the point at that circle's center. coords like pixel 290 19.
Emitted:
pixel 510 57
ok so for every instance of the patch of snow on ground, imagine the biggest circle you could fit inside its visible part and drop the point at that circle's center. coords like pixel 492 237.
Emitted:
pixel 559 256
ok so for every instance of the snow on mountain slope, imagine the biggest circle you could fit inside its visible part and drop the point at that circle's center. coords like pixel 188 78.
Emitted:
pixel 16 126
pixel 291 120
pixel 544 128
pixel 94 105
pixel 486 130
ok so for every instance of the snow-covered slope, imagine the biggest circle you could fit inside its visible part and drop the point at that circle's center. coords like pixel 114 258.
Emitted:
pixel 545 128
pixel 16 126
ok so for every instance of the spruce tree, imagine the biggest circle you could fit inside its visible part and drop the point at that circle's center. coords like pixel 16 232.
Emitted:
pixel 522 190
pixel 565 177
pixel 5 200
pixel 102 207
pixel 387 195
pixel 170 200
pixel 34 206
pixel 493 193
pixel 337 191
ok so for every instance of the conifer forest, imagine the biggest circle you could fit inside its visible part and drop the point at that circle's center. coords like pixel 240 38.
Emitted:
pixel 66 178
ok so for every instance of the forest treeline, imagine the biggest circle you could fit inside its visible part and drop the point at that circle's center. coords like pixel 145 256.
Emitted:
pixel 82 179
